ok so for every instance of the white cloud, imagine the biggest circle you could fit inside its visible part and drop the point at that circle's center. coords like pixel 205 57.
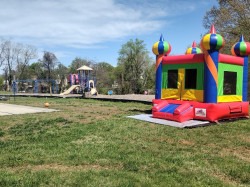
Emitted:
pixel 82 23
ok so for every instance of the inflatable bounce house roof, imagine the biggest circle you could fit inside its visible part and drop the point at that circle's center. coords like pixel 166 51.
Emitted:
pixel 202 84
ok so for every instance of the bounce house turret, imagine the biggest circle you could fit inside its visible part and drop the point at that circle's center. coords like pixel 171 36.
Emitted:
pixel 211 44
pixel 194 49
pixel 242 49
pixel 160 49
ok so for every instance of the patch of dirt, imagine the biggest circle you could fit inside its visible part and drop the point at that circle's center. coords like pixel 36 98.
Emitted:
pixel 241 153
pixel 186 142
pixel 213 172
pixel 89 140
pixel 63 168
pixel 163 139
pixel 245 139
pixel 137 97
pixel 223 177
pixel 89 114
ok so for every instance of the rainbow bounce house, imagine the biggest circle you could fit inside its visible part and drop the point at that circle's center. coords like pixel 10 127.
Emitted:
pixel 202 84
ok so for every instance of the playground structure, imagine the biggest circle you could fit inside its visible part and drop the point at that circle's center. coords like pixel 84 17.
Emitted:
pixel 35 86
pixel 202 84
pixel 81 82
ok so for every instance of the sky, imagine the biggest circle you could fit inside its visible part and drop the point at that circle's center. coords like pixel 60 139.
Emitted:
pixel 97 29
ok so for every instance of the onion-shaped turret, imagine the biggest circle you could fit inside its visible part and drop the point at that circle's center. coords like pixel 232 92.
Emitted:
pixel 241 48
pixel 194 49
pixel 161 47
pixel 212 41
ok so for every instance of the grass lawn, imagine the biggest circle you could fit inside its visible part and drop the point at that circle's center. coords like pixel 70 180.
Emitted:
pixel 6 93
pixel 93 143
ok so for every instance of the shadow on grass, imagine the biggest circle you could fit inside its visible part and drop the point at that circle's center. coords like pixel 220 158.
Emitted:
pixel 141 111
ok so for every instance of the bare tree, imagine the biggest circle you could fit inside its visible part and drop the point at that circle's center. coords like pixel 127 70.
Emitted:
pixel 14 57
pixel 25 54
pixel 9 55
pixel 61 73
pixel 2 52
pixel 49 63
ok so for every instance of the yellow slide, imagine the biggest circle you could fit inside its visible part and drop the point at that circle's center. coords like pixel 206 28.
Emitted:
pixel 93 91
pixel 70 89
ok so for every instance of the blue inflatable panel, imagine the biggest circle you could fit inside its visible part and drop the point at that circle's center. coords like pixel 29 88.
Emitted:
pixel 170 108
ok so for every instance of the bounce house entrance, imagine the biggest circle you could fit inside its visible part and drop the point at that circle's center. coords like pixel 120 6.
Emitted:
pixel 170 108
pixel 173 110
pixel 182 83
pixel 181 79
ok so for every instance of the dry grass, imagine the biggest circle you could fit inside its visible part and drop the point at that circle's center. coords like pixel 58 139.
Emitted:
pixel 61 168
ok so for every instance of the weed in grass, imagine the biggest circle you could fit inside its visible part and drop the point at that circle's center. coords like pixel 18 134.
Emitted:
pixel 1 133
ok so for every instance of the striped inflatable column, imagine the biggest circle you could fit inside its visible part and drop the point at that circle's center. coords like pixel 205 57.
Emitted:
pixel 160 49
pixel 158 77
pixel 211 44
pixel 242 49
pixel 245 79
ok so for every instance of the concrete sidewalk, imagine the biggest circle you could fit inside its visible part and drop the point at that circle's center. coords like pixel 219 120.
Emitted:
pixel 10 109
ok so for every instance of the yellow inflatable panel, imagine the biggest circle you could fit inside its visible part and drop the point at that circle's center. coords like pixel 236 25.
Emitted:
pixel 170 94
pixel 193 95
pixel 229 98
pixel 190 94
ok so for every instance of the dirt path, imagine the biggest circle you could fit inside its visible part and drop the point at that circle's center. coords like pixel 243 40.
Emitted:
pixel 130 97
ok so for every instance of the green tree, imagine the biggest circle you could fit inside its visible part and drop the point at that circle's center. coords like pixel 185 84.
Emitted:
pixel 133 63
pixel 231 19
pixel 150 78
pixel 104 73
pixel 36 71
pixel 77 63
